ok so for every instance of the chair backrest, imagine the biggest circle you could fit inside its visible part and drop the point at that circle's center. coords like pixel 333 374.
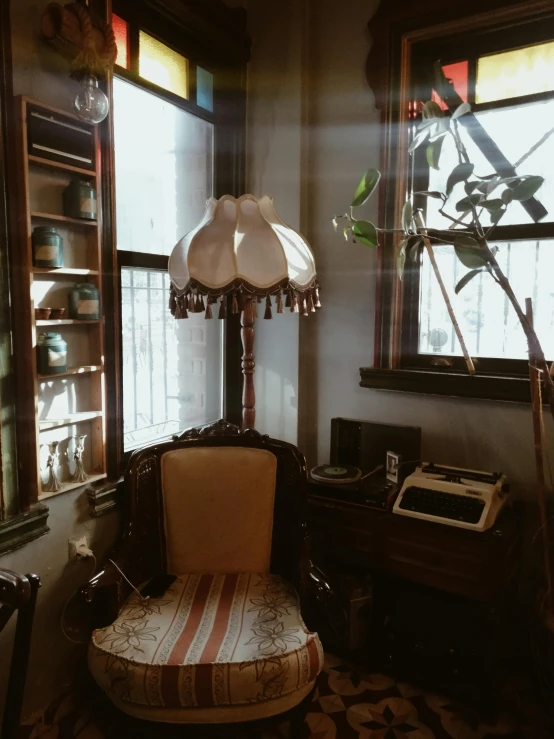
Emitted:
pixel 217 500
pixel 17 593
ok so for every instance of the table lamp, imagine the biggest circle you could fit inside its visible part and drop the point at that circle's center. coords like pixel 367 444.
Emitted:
pixel 242 250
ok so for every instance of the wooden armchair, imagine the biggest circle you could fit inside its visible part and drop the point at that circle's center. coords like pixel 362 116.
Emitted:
pixel 223 510
pixel 17 593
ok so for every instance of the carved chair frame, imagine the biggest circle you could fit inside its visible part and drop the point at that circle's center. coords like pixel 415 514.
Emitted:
pixel 141 553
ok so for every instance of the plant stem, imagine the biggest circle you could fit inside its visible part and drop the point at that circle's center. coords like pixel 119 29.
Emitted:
pixel 535 349
pixel 429 247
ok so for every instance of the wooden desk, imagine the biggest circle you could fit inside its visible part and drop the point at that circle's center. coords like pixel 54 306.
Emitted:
pixel 455 630
pixel 476 565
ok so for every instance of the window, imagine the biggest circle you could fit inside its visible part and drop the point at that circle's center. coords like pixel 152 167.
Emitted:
pixel 503 65
pixel 513 101
pixel 172 371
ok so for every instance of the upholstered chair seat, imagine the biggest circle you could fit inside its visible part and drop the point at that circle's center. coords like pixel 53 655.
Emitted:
pixel 221 510
pixel 225 645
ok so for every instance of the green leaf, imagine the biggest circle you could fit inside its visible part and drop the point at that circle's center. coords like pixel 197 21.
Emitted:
pixel 467 278
pixel 434 152
pixel 431 110
pixel 407 217
pixel 460 173
pixel 368 184
pixel 496 215
pixel 527 187
pixel 419 139
pixel 401 258
pixel 461 110
pixel 494 204
pixel 469 252
pixel 507 196
pixel 430 194
pixel 465 204
pixel 365 232
pixel 469 187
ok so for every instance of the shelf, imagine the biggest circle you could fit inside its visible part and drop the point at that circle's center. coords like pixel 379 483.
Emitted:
pixel 64 219
pixel 53 271
pixel 85 370
pixel 49 164
pixel 67 486
pixel 73 418
pixel 63 322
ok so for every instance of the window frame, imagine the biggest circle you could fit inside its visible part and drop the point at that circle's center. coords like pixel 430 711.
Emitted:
pixel 397 32
pixel 190 31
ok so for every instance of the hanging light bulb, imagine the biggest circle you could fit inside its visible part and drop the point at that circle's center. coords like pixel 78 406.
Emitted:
pixel 90 103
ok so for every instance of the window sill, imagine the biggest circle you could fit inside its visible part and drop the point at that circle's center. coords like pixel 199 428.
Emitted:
pixel 23 528
pixel 455 384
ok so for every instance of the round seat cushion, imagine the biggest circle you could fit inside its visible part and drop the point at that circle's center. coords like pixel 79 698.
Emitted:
pixel 210 640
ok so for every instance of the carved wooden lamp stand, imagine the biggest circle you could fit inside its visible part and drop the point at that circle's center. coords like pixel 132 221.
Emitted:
pixel 240 253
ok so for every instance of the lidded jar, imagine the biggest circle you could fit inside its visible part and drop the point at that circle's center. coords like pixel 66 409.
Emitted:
pixel 47 247
pixel 84 302
pixel 79 200
pixel 51 353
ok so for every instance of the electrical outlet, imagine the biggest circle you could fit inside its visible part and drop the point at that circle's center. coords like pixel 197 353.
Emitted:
pixel 75 544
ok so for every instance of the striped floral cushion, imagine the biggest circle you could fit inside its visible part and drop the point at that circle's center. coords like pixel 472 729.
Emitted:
pixel 211 640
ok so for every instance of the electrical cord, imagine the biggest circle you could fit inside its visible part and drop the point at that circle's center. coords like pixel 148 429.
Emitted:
pixel 140 595
pixel 68 601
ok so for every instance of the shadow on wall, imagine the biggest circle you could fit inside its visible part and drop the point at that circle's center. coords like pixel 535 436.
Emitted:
pixel 55 662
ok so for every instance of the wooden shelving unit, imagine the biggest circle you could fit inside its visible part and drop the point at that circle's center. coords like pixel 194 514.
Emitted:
pixel 62 406
pixel 82 223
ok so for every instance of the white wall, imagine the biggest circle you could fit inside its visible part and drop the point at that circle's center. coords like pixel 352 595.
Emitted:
pixel 275 168
pixel 341 141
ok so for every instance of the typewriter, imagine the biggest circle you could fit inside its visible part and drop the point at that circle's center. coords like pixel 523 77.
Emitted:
pixel 454 496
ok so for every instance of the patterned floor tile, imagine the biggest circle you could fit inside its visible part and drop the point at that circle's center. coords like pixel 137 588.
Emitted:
pixel 349 703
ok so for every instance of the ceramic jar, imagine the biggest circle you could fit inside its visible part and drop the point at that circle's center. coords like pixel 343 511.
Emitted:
pixel 79 200
pixel 84 302
pixel 47 247
pixel 51 354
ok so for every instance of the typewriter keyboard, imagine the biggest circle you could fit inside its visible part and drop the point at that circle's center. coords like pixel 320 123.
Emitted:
pixel 444 505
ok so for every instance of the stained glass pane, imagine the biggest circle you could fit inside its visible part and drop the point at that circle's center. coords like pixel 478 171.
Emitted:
pixel 457 73
pixel 121 31
pixel 163 66
pixel 204 88
pixel 514 73
pixel 488 322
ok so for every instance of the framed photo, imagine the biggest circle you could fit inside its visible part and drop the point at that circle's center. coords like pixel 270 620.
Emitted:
pixel 393 465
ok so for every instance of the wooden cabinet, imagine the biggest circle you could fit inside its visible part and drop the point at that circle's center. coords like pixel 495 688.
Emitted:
pixel 70 404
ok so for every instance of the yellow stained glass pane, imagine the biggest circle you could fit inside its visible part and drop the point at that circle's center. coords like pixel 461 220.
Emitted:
pixel 515 73
pixel 163 66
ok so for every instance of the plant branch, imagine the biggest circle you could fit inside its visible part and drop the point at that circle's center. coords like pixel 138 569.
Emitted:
pixel 535 349
pixel 429 247
pixel 534 148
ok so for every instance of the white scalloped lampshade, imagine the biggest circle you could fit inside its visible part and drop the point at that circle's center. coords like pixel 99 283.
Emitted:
pixel 241 247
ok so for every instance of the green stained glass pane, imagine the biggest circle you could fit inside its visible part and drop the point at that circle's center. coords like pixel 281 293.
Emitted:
pixel 163 66
pixel 204 88
pixel 511 74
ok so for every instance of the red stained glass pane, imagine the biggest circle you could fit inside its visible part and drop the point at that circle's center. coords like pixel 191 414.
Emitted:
pixel 458 74
pixel 121 31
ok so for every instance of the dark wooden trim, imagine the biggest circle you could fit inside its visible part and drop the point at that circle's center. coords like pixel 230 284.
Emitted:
pixel 23 528
pixel 206 29
pixel 440 382
pixel 6 93
pixel 104 499
pixel 141 259
pixel 177 100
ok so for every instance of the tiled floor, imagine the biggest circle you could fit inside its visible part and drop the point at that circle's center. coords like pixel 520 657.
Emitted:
pixel 349 703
